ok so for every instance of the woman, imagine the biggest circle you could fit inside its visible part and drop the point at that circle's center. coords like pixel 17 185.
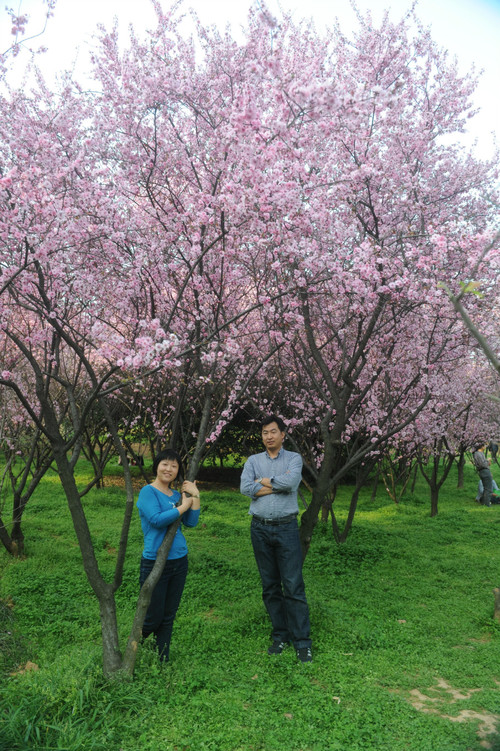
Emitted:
pixel 159 506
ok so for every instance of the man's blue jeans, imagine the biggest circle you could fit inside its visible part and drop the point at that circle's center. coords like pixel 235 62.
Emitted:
pixel 279 560
pixel 165 601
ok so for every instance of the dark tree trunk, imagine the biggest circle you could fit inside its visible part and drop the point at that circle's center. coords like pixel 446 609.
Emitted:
pixel 14 543
pixel 17 535
pixel 23 485
pixel 111 655
pixel 433 480
pixel 341 536
pixel 309 518
pixel 327 506
pixel 6 540
pixel 320 491
pixel 434 499
pixel 496 613
pixel 461 465
pixel 350 516
pixel 414 481
pixel 103 591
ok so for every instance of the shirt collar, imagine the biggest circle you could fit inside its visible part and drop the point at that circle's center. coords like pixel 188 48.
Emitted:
pixel 273 458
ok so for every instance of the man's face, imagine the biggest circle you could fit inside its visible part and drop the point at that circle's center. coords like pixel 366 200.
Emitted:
pixel 272 437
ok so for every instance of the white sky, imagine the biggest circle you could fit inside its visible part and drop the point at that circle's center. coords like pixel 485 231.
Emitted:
pixel 469 29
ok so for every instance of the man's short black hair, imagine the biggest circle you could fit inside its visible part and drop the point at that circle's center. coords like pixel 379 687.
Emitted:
pixel 274 418
pixel 169 455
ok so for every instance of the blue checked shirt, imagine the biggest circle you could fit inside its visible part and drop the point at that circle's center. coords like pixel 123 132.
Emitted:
pixel 285 473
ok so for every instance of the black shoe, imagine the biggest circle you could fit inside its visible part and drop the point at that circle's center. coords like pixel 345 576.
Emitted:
pixel 304 654
pixel 277 647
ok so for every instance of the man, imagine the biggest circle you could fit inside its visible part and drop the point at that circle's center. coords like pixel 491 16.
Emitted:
pixel 483 467
pixel 271 479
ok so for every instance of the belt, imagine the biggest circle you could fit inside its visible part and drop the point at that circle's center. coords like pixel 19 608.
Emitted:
pixel 274 522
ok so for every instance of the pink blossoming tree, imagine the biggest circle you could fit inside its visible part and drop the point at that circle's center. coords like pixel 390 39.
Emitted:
pixel 235 219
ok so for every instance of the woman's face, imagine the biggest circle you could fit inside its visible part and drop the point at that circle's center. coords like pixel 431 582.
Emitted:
pixel 167 470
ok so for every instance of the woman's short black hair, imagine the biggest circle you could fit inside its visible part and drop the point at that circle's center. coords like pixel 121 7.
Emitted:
pixel 169 455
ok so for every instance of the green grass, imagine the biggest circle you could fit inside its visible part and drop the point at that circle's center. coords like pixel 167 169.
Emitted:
pixel 404 606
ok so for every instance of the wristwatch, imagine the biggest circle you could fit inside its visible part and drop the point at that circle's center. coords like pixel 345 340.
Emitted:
pixel 259 480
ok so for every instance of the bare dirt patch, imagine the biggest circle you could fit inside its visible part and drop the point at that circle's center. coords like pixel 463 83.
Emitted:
pixel 119 482
pixel 139 482
pixel 438 700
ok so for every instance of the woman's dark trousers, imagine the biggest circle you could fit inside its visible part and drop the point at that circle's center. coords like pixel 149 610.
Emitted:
pixel 164 601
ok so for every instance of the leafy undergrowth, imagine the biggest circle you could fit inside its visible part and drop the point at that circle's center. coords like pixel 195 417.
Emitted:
pixel 406 652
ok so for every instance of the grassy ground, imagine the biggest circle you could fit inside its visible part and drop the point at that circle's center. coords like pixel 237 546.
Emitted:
pixel 406 652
